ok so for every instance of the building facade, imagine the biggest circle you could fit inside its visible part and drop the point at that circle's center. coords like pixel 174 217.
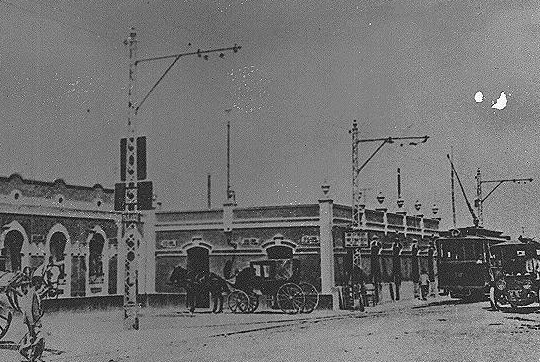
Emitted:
pixel 312 233
pixel 73 227
pixel 76 228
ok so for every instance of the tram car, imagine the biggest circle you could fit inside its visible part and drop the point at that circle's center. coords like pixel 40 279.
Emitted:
pixel 515 274
pixel 463 262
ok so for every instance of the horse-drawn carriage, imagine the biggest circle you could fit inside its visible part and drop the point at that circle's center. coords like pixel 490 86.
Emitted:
pixel 277 279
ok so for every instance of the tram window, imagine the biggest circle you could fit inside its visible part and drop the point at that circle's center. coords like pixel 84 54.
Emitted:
pixel 453 251
pixel 480 253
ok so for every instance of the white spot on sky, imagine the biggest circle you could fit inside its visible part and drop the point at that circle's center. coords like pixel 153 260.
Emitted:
pixel 478 97
pixel 501 102
pixel 249 89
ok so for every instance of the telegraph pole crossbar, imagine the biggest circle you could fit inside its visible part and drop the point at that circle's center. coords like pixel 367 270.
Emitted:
pixel 479 202
pixel 134 193
pixel 356 224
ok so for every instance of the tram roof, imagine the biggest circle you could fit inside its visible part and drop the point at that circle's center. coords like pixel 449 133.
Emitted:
pixel 517 243
pixel 472 232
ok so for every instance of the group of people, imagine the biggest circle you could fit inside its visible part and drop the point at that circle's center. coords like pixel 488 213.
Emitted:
pixel 423 278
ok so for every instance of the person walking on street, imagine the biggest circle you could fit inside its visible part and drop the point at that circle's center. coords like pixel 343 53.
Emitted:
pixel 424 283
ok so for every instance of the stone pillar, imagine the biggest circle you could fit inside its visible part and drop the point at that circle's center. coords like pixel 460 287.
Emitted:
pixel 326 242
pixel 326 245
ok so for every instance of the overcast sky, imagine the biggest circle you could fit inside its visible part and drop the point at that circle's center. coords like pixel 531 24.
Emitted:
pixel 306 70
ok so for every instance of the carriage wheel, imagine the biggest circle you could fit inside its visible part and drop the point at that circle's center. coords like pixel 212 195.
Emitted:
pixel 311 296
pixel 5 321
pixel 238 302
pixel 290 298
pixel 253 302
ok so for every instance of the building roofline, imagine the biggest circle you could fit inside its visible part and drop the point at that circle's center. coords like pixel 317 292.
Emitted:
pixel 58 181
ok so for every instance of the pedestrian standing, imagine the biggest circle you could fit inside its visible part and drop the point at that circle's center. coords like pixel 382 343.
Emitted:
pixel 424 283
pixel 415 275
pixel 396 267
pixel 375 268
pixel 431 270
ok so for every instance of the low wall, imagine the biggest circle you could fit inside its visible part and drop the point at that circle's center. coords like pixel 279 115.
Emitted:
pixel 151 300
pixel 110 301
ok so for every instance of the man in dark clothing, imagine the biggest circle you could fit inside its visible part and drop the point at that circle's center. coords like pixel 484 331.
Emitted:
pixel 415 272
pixel 396 267
pixel 375 269
pixel 358 281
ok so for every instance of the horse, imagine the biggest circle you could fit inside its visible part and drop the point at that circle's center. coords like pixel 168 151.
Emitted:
pixel 198 283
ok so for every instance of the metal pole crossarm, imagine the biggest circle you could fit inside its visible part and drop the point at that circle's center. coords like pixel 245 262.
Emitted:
pixel 199 52
pixel 388 140
pixel 234 48
pixel 500 182
pixel 372 155
pixel 509 180
pixel 392 139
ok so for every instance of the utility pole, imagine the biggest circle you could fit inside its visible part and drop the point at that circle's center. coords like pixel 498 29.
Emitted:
pixel 231 196
pixel 352 238
pixel 133 194
pixel 209 191
pixel 479 201
pixel 131 216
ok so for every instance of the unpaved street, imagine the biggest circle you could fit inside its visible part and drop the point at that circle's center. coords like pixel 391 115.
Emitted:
pixel 438 330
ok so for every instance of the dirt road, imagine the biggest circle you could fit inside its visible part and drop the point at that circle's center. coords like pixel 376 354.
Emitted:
pixel 437 330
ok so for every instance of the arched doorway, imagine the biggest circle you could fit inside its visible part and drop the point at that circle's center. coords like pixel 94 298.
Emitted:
pixel 96 269
pixel 11 253
pixel 198 261
pixel 57 255
pixel 279 252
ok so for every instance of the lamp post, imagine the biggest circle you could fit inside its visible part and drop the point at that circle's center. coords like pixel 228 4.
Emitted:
pixel 133 193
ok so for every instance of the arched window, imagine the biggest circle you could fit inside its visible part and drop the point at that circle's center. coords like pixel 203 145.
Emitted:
pixel 58 247
pixel 11 253
pixel 95 259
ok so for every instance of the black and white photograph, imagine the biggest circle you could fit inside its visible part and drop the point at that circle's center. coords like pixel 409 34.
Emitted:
pixel 269 180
